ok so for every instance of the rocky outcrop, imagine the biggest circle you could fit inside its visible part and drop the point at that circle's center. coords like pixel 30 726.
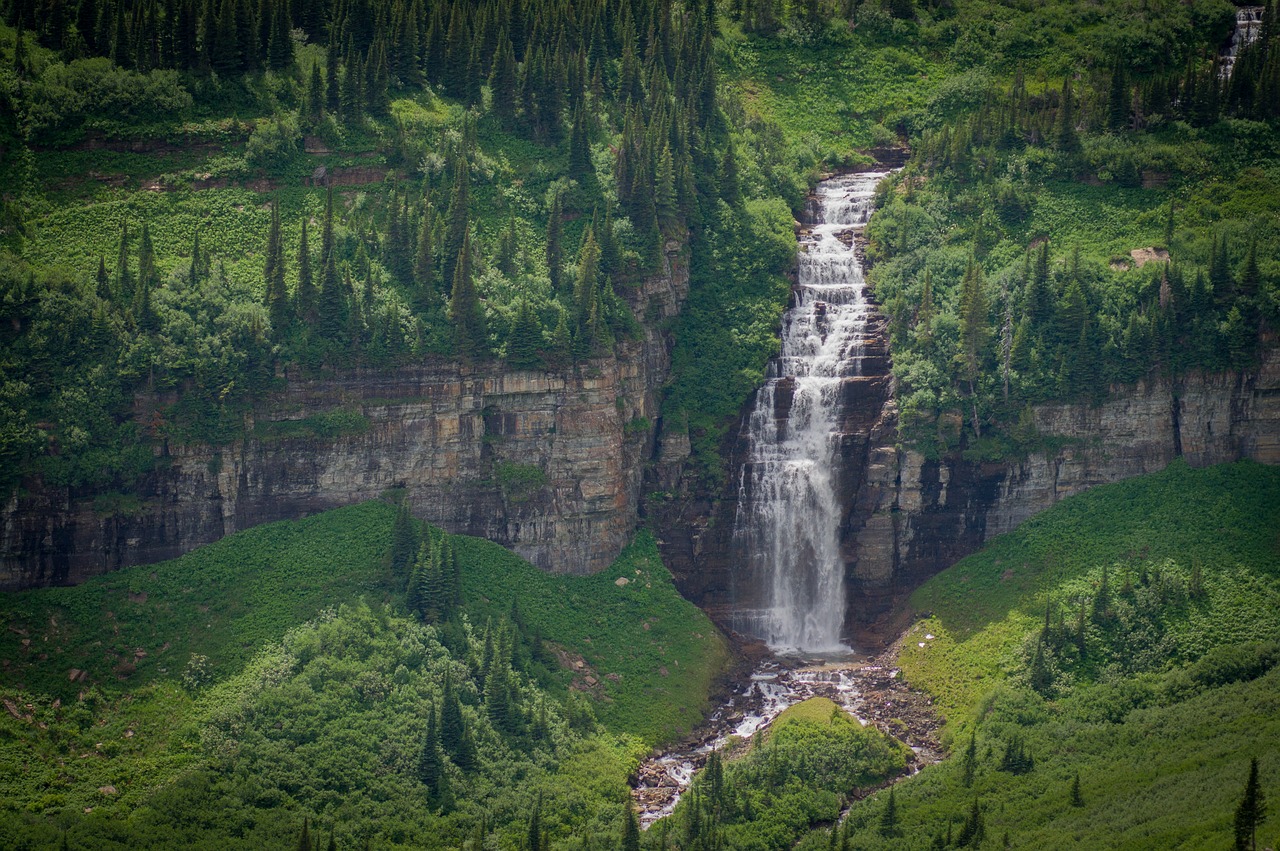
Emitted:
pixel 910 517
pixel 915 516
pixel 548 464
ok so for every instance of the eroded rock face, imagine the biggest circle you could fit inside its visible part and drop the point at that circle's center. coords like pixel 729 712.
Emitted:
pixel 547 464
pixel 908 517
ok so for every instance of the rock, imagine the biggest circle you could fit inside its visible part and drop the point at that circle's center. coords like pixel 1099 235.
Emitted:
pixel 107 790
pixel 436 429
pixel 622 581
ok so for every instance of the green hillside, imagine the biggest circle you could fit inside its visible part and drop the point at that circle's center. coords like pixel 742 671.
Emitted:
pixel 219 699
pixel 1153 677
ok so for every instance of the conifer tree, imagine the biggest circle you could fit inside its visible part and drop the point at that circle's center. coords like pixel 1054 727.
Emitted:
pixel 1077 800
pixel 508 250
pixel 316 96
pixel 1250 812
pixel 304 838
pixel 124 274
pixel 555 248
pixel 524 342
pixel 274 272
pixel 430 764
pixel 580 167
pixel 457 223
pixel 504 82
pixel 889 817
pixel 305 300
pixel 333 306
pixel 102 281
pixel 426 282
pixel 630 828
pixel 471 338
pixel 404 541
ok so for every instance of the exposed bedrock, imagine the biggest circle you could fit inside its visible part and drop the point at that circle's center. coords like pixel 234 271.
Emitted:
pixel 548 464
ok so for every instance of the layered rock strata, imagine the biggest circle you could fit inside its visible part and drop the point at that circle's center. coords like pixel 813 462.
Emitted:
pixel 548 464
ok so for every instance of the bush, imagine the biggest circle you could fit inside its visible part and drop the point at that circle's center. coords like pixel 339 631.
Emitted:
pixel 274 142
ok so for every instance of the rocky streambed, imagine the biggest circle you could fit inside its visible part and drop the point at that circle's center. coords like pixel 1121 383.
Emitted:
pixel 870 689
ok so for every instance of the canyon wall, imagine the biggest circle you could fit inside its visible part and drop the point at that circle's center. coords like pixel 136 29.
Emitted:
pixel 908 517
pixel 548 464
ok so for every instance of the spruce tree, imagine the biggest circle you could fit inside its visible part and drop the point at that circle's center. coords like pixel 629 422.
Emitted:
pixel 426 282
pixel 404 541
pixel 630 828
pixel 1250 812
pixel 889 817
pixel 555 248
pixel 974 333
pixel 305 299
pixel 316 96
pixel 458 220
pixel 274 272
pixel 430 764
pixel 124 274
pixel 524 341
pixel 471 338
pixel 1077 800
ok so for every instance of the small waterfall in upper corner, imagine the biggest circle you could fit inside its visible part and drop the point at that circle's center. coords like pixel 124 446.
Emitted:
pixel 787 528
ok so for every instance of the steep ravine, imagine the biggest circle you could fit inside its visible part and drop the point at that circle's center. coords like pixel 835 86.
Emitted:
pixel 548 464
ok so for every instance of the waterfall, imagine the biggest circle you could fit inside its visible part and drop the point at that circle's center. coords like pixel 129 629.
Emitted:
pixel 786 540
pixel 1248 28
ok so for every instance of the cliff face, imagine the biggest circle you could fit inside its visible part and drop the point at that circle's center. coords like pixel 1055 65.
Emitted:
pixel 547 464
pixel 908 517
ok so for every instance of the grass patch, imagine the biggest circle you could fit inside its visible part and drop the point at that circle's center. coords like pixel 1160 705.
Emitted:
pixel 1178 574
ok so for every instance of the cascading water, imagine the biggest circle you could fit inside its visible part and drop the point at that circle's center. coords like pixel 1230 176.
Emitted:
pixel 786 532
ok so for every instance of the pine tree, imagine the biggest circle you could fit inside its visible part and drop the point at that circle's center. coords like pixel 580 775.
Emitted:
pixel 426 282
pixel 404 541
pixel 504 82
pixel 305 299
pixel 508 250
pixel 974 830
pixel 524 342
pixel 124 274
pixel 280 42
pixel 304 838
pixel 316 96
pixel 457 224
pixel 1077 800
pixel 1118 100
pixel 889 817
pixel 1250 812
pixel 274 272
pixel 555 248
pixel 333 304
pixel 630 828
pixel 580 167
pixel 430 764
pixel 471 338
pixel 1065 139
pixel 102 282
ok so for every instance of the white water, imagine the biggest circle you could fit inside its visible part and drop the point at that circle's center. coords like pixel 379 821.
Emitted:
pixel 788 520
pixel 770 690
pixel 1248 29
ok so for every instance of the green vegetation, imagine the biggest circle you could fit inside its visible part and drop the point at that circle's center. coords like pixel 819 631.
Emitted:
pixel 814 757
pixel 219 699
pixel 1106 671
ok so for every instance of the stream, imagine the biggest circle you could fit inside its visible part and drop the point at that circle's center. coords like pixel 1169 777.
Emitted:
pixel 869 689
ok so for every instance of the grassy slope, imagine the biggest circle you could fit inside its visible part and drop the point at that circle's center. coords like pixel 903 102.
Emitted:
pixel 1161 764
pixel 141 731
pixel 665 653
